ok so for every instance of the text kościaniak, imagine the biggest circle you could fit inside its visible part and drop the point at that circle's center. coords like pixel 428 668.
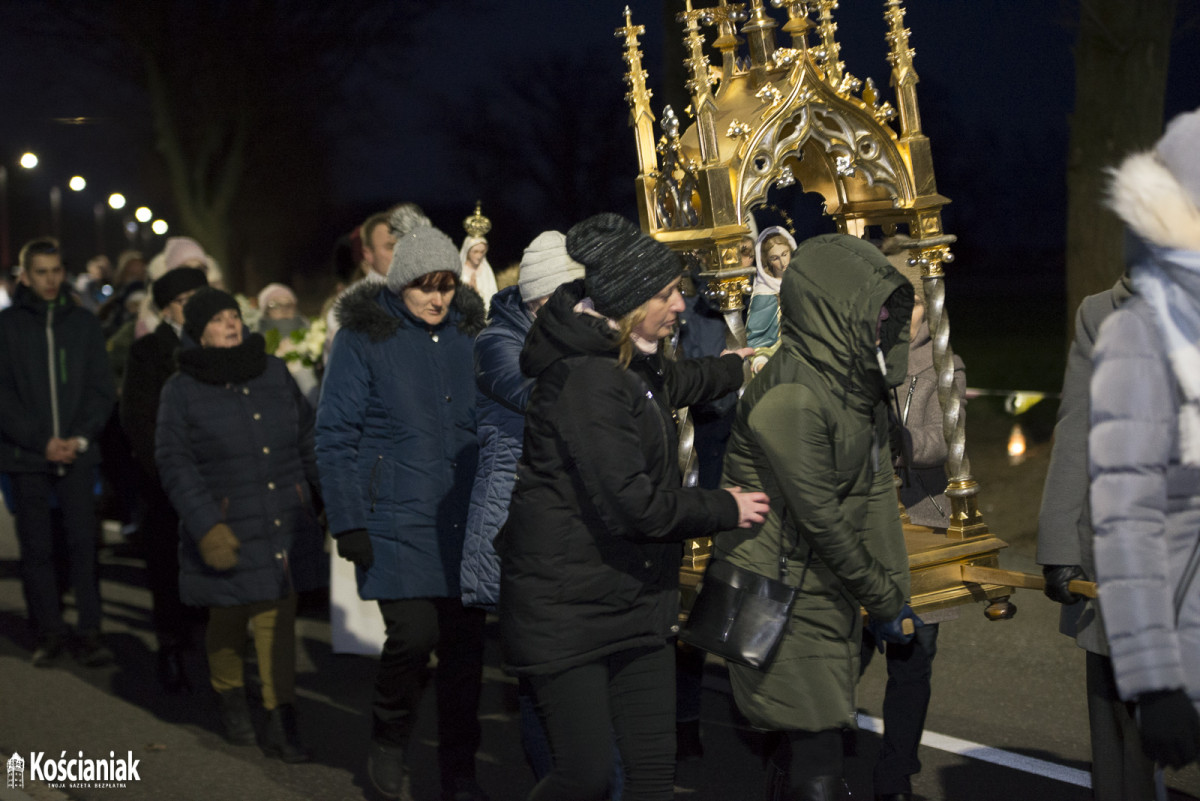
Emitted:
pixel 78 769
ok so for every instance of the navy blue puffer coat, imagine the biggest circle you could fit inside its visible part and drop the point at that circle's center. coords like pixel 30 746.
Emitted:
pixel 241 453
pixel 396 441
pixel 503 392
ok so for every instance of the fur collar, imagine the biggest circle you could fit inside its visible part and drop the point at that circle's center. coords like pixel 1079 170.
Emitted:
pixel 1148 198
pixel 364 309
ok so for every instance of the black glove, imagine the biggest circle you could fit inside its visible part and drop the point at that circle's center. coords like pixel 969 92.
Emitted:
pixel 1170 727
pixel 355 545
pixel 885 631
pixel 899 441
pixel 318 503
pixel 1057 577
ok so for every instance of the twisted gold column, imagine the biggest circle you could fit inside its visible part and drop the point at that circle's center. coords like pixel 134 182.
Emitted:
pixel 962 489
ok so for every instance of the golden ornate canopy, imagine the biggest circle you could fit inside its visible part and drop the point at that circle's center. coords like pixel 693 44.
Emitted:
pixel 772 116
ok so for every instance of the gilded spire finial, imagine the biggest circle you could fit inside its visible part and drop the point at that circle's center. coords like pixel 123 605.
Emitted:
pixel 641 119
pixel 701 80
pixel 798 24
pixel 904 76
pixel 727 40
pixel 834 66
pixel 477 225
pixel 759 33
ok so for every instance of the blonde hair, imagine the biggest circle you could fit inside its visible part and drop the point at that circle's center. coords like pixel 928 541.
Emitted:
pixel 625 338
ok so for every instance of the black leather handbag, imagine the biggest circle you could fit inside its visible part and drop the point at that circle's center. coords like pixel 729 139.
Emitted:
pixel 739 615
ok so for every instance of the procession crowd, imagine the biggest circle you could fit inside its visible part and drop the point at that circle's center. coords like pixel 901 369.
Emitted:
pixel 474 449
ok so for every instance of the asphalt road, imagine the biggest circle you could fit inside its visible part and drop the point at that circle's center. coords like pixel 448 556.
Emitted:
pixel 1007 720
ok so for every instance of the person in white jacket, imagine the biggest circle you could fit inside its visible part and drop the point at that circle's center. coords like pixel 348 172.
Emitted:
pixel 1144 449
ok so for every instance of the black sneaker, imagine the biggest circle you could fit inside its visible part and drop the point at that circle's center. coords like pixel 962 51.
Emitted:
pixel 48 653
pixel 91 652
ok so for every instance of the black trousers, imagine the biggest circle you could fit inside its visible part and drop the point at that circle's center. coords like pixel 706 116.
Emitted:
pixel 1120 771
pixel 415 628
pixel 905 703
pixel 35 533
pixel 800 757
pixel 629 694
pixel 173 621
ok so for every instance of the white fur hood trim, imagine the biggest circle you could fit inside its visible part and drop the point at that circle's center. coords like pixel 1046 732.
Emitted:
pixel 1148 198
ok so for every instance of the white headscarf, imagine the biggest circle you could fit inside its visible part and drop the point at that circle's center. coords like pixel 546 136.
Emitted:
pixel 481 278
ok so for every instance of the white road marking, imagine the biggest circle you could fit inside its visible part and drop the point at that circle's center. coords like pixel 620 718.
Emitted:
pixel 996 756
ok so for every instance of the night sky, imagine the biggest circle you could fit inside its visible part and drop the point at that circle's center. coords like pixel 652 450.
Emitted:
pixel 996 93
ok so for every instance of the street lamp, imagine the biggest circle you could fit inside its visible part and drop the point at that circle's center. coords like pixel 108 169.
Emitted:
pixel 143 214
pixel 159 227
pixel 29 160
pixel 116 201
pixel 77 183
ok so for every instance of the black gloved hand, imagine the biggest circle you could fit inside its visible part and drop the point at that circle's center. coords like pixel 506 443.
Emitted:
pixel 1170 727
pixel 355 545
pixel 318 503
pixel 885 631
pixel 899 441
pixel 1057 577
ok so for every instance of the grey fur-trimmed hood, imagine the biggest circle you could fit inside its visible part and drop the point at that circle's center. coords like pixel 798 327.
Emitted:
pixel 360 310
pixel 1152 202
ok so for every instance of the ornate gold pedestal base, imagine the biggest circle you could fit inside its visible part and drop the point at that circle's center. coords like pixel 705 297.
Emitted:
pixel 935 562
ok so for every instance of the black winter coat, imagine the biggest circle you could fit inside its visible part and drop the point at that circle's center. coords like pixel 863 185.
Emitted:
pixel 52 360
pixel 241 453
pixel 151 362
pixel 590 554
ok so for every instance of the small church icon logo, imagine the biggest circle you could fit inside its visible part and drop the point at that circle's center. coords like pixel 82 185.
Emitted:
pixel 16 772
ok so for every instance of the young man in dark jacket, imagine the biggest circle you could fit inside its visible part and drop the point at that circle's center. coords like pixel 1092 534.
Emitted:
pixel 57 393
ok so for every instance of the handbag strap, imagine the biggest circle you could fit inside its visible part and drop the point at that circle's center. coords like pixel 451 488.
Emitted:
pixel 783 552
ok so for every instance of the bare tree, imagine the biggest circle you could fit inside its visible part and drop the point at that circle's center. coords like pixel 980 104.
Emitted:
pixel 1120 82
pixel 236 93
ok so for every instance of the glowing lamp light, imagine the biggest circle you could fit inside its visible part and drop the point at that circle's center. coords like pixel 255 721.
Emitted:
pixel 1016 445
pixel 116 201
pixel 159 227
pixel 29 160
pixel 131 228
pixel 77 183
pixel 143 214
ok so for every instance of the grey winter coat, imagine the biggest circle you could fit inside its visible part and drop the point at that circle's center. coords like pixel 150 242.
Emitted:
pixel 1145 509
pixel 1065 522
pixel 923 487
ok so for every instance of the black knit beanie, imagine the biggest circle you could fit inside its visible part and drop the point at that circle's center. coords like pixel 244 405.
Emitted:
pixel 174 283
pixel 206 304
pixel 624 267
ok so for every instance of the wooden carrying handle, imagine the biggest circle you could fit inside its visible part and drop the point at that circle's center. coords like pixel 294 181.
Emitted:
pixel 1014 578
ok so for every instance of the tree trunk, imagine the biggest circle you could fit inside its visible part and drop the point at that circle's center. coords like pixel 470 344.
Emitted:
pixel 1120 80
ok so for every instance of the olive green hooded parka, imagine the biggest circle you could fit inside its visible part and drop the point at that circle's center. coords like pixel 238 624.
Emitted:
pixel 811 432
